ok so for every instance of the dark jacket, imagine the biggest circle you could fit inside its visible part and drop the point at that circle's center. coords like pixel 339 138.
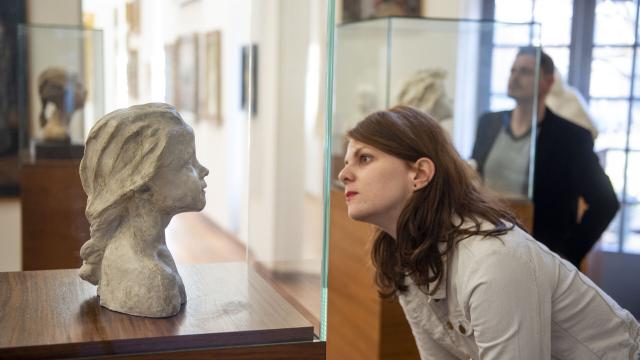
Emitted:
pixel 566 168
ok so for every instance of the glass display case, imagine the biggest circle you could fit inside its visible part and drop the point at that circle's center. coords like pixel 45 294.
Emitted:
pixel 443 67
pixel 252 261
pixel 440 66
pixel 61 72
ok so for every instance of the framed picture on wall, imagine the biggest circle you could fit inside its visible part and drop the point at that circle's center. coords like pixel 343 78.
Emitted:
pixel 249 78
pixel 209 73
pixel 187 74
pixel 132 75
pixel 170 74
pixel 354 10
pixel 132 13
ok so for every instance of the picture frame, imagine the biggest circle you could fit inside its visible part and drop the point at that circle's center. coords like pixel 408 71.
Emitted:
pixel 132 14
pixel 356 10
pixel 209 74
pixel 249 81
pixel 187 74
pixel 132 75
pixel 170 72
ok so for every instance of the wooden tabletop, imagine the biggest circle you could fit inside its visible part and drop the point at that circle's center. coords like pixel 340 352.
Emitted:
pixel 53 314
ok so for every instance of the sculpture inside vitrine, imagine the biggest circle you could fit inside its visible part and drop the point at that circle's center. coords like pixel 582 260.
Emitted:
pixel 139 170
pixel 426 91
pixel 66 92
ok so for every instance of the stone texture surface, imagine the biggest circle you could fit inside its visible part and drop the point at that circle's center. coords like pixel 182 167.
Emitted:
pixel 139 170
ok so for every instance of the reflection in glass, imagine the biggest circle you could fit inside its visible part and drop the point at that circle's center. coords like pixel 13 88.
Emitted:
pixel 633 178
pixel 611 121
pixel 612 162
pixel 610 239
pixel 614 22
pixel 436 62
pixel 560 56
pixel 634 133
pixel 610 71
pixel 501 102
pixel 631 236
pixel 555 17
pixel 502 61
pixel 506 35
pixel 513 11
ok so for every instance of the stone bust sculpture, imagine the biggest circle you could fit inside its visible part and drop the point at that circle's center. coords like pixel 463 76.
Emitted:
pixel 67 93
pixel 139 169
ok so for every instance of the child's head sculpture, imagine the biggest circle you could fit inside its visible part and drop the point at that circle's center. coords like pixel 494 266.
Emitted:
pixel 139 169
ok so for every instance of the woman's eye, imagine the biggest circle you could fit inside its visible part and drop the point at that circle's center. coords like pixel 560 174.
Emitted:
pixel 365 158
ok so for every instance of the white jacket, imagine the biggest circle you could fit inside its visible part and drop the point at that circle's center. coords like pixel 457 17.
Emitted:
pixel 512 298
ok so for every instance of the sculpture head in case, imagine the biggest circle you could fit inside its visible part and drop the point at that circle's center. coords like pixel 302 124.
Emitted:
pixel 139 169
pixel 67 93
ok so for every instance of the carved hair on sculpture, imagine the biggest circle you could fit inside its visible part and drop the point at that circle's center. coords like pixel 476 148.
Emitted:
pixel 139 169
pixel 67 93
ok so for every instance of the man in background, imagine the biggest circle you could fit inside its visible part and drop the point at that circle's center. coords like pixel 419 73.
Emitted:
pixel 566 168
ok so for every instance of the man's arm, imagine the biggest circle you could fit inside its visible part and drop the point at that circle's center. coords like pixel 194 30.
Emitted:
pixel 595 187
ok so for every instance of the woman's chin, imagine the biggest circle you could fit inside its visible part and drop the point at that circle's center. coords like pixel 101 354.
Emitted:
pixel 356 215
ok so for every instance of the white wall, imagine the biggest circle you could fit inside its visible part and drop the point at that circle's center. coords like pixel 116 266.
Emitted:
pixel 220 148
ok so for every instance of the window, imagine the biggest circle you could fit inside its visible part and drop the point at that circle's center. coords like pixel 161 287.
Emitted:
pixel 600 58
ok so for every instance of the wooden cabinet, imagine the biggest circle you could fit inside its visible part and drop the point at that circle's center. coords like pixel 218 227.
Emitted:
pixel 54 226
pixel 360 325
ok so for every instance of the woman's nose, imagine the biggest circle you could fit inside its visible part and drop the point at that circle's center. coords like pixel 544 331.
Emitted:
pixel 344 175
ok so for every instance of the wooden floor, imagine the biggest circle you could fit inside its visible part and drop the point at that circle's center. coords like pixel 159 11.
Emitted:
pixel 193 239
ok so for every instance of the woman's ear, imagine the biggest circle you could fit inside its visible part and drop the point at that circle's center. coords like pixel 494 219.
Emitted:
pixel 422 171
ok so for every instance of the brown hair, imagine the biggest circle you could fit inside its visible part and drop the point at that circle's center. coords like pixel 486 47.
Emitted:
pixel 432 220
pixel 546 63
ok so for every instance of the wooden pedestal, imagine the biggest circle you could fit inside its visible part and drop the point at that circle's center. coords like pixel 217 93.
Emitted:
pixel 54 314
pixel 360 325
pixel 54 226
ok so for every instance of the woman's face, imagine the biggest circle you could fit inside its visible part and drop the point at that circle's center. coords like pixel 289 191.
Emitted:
pixel 377 185
pixel 178 186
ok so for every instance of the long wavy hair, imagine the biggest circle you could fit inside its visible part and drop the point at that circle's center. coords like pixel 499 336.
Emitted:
pixel 124 150
pixel 437 216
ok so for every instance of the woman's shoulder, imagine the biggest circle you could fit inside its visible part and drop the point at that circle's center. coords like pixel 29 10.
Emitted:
pixel 480 245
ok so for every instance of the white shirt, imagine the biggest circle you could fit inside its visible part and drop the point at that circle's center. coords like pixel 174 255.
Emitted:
pixel 512 298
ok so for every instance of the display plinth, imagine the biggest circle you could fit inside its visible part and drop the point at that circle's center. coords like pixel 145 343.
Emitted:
pixel 58 150
pixel 54 226
pixel 54 314
pixel 362 326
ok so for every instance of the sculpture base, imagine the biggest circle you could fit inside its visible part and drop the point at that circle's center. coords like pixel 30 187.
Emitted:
pixel 58 150
pixel 54 314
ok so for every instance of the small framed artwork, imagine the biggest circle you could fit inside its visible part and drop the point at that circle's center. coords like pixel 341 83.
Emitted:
pixel 132 74
pixel 209 72
pixel 132 12
pixel 170 74
pixel 354 10
pixel 249 84
pixel 187 74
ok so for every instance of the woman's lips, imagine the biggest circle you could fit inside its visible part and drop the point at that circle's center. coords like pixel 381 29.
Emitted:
pixel 350 194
